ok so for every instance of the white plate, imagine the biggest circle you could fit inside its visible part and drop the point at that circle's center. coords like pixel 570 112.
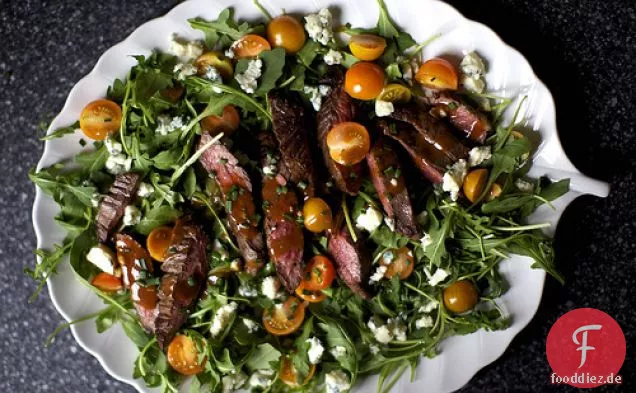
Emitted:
pixel 509 75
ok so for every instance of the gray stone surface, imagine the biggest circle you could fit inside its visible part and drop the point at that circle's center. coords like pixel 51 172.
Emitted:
pixel 583 50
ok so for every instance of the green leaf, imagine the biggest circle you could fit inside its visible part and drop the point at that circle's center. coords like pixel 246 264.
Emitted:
pixel 168 159
pixel 135 332
pixel 437 249
pixel 273 63
pixel 385 26
pixel 308 53
pixel 261 357
pixel 190 183
pixel 60 132
pixel 224 26
pixel 92 161
pixel 155 217
pixel 117 91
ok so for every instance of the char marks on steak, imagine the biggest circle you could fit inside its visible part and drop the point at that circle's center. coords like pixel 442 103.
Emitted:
pixel 285 239
pixel 337 107
pixel 291 131
pixel 112 207
pixel 389 181
pixel 236 188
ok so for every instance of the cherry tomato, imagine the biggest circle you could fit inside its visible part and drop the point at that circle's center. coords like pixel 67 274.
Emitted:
pixel 474 183
pixel 317 215
pixel 495 191
pixel 308 295
pixel 460 296
pixel 395 92
pixel 217 60
pixel 437 73
pixel 100 118
pixel 250 45
pixel 401 264
pixel 107 282
pixel 227 123
pixel 158 242
pixel 348 143
pixel 287 373
pixel 284 318
pixel 367 46
pixel 183 356
pixel 286 32
pixel 318 274
pixel 364 80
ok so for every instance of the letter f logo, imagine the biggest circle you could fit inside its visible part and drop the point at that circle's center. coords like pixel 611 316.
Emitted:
pixel 583 344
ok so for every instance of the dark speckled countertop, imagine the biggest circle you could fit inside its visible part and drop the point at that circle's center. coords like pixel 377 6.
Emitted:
pixel 583 50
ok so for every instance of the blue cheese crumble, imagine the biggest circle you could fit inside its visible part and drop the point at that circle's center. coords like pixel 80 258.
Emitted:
pixel 248 80
pixel 320 26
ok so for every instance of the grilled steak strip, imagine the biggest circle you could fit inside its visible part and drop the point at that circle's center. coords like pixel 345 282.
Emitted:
pixel 337 107
pixel 352 259
pixel 388 179
pixel 461 115
pixel 236 188
pixel 185 271
pixel 111 208
pixel 290 129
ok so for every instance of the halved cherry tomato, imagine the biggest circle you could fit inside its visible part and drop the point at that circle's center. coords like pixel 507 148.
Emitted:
pixel 367 46
pixel 284 318
pixel 395 92
pixel 107 282
pixel 460 296
pixel 99 119
pixel 401 264
pixel 217 60
pixel 183 356
pixel 286 32
pixel 308 295
pixel 228 122
pixel 317 215
pixel 318 274
pixel 364 80
pixel 250 45
pixel 437 73
pixel 287 373
pixel 474 183
pixel 348 143
pixel 495 191
pixel 158 242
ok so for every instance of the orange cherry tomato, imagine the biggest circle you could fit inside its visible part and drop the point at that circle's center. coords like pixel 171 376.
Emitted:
pixel 348 143
pixel 308 295
pixel 367 46
pixel 460 296
pixel 364 80
pixel 316 215
pixel 474 183
pixel 286 32
pixel 250 45
pixel 107 282
pixel 401 264
pixel 318 274
pixel 287 373
pixel 494 192
pixel 227 123
pixel 437 73
pixel 158 242
pixel 217 60
pixel 286 318
pixel 99 119
pixel 183 356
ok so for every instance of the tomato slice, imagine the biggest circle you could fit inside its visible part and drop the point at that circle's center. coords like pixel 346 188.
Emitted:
pixel 287 373
pixel 348 143
pixel 227 123
pixel 286 318
pixel 437 73
pixel 158 242
pixel 401 264
pixel 395 92
pixel 367 46
pixel 250 45
pixel 100 118
pixel 183 356
pixel 308 295
pixel 319 273
pixel 107 282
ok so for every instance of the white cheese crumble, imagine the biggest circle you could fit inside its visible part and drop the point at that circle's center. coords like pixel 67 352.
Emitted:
pixel 269 170
pixel 437 277
pixel 102 257
pixel 394 329
pixel 478 154
pixel 472 83
pixel 247 291
pixel 338 351
pixel 426 241
pixel 145 190
pixel 96 199
pixel 424 322
pixel 383 108
pixel 229 53
pixel 233 382
pixel 369 220
pixel 184 70
pixel 374 349
pixel 315 350
pixel 320 26
pixel 454 178
pixel 524 186
pixel 167 125
pixel 213 75
pixel 270 287
pixel 316 94
pixel 337 381
pixel 252 327
pixel 114 148
pixel 390 223
pixel 248 79
pixel 185 50
pixel 428 307
pixel 222 317
pixel 235 265
pixel 472 65
pixel 132 216
pixel 333 57
pixel 261 379
pixel 394 182
pixel 378 275
pixel 118 163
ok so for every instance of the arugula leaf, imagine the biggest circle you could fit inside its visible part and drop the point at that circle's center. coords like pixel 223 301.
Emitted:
pixel 60 132
pixel 92 161
pixel 273 63
pixel 308 53
pixel 437 249
pixel 385 26
pixel 155 217
pixel 261 357
pixel 225 28
pixel 49 261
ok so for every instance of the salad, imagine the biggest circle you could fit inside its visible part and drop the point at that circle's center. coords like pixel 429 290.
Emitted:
pixel 293 205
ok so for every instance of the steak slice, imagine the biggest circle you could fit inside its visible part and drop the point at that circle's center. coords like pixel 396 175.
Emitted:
pixel 285 239
pixel 236 188
pixel 185 271
pixel 474 124
pixel 111 208
pixel 389 182
pixel 290 129
pixel 352 259
pixel 338 107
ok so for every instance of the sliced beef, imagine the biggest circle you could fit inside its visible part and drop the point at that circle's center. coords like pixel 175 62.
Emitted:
pixel 290 129
pixel 111 208
pixel 236 188
pixel 185 271
pixel 285 239
pixel 389 182
pixel 474 124
pixel 352 259
pixel 337 107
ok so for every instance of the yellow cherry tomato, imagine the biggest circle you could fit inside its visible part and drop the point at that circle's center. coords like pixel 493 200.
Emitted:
pixel 287 373
pixel 286 32
pixel 367 47
pixel 437 73
pixel 158 242
pixel 364 80
pixel 217 60
pixel 183 356
pixel 460 296
pixel 494 192
pixel 317 215
pixel 395 92
pixel 348 143
pixel 100 118
pixel 474 183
